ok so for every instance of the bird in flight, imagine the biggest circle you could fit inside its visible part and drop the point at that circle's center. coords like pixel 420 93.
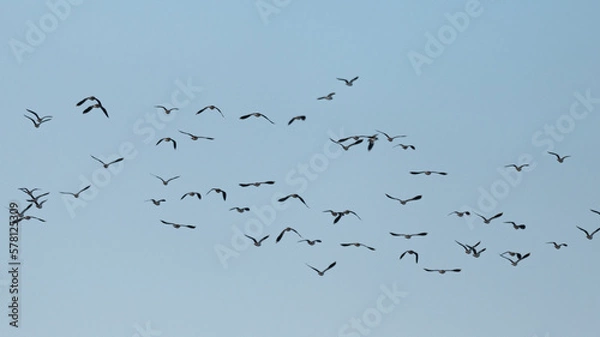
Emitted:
pixel 427 173
pixel 403 202
pixel 411 252
pixel 356 244
pixel 348 83
pixel 258 183
pixel 106 165
pixel 347 147
pixel 168 139
pixel 408 236
pixel 475 252
pixel 461 214
pixel 297 118
pixel 38 120
pixel 558 158
pixel 468 249
pixel 35 201
pixel 293 195
pixel 371 140
pixel 257 243
pixel 339 215
pixel 486 220
pixel 218 190
pixel 257 115
pixel 28 217
pixel 177 225
pixel 389 138
pixel 321 273
pixel 192 194
pixel 167 111
pixel 156 202
pixel 310 242
pixel 519 258
pixel 405 147
pixel 76 195
pixel 442 271
pixel 515 226
pixel 557 245
pixel 588 235
pixel 98 104
pixel 165 182
pixel 287 229
pixel 211 107
pixel 329 97
pixel 194 137
pixel 518 168
pixel 240 209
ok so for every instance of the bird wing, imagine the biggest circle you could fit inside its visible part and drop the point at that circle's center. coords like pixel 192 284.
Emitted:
pixel 82 101
pixel 554 154
pixel 421 234
pixel 201 110
pixel 586 232
pixel 280 236
pixel 267 118
pixel 595 211
pixel 168 223
pixel 496 216
pixel 337 218
pixel 251 238
pixel 383 133
pixel 104 110
pixel 85 188
pixel 418 197
pixel 160 141
pixel 116 160
pixel 416 172
pixel 299 197
pixel 330 266
pixel 313 268
pixel 31 119
pixel 98 160
pixel 263 239
pixel 35 114
pixel 393 198
pixel 284 198
pixel 245 116
pixel 596 231
pixel 175 177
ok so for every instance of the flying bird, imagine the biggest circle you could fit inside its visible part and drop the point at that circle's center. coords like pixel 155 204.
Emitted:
pixel 558 158
pixel 411 252
pixel 177 225
pixel 297 118
pixel 427 173
pixel 403 202
pixel 211 107
pixel 167 111
pixel 240 209
pixel 390 138
pixel 258 183
pixel 475 252
pixel 218 190
pixel 443 271
pixel 192 194
pixel 38 120
pixel 515 226
pixel 468 249
pixel 339 215
pixel 106 165
pixel 165 182
pixel 519 258
pixel 588 235
pixel 486 220
pixel 461 214
pixel 405 147
pixel 168 139
pixel 371 140
pixel 288 229
pixel 293 195
pixel 348 83
pixel 347 147
pixel 156 202
pixel 28 217
pixel 194 137
pixel 257 243
pixel 356 244
pixel 329 97
pixel 408 236
pixel 557 245
pixel 518 168
pixel 310 242
pixel 76 195
pixel 257 115
pixel 321 273
pixel 38 204
pixel 98 104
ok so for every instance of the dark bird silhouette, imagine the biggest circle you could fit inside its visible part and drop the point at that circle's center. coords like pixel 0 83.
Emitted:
pixel 76 195
pixel 348 83
pixel 443 271
pixel 468 249
pixel 371 142
pixel 519 258
pixel 38 120
pixel 460 214
pixel 411 252
pixel 293 195
pixel 588 235
pixel 356 244
pixel 106 165
pixel 518 168
pixel 557 245
pixel 168 139
pixel 476 253
pixel 310 242
pixel 329 97
pixel 28 217
pixel 339 215
pixel 167 111
pixel 194 137
pixel 177 225
pixel 218 190
pixel 192 194
pixel 38 203
pixel 165 182
pixel 515 226
pixel 321 273
pixel 390 138
pixel 486 220
pixel 157 202
pixel 257 115
pixel 403 202
pixel 427 173
pixel 240 209
pixel 558 158
pixel 408 236
pixel 287 229
pixel 211 107
pixel 405 147
pixel 347 147
pixel 258 183
pixel 257 243
pixel 98 105
pixel 297 118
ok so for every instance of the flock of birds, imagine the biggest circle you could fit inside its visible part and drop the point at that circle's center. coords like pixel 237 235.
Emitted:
pixel 346 143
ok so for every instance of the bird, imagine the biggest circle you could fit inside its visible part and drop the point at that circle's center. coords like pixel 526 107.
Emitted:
pixel 240 209
pixel 518 168
pixel 329 97
pixel 38 204
pixel 218 190
pixel 28 217
pixel 339 215
pixel 475 252
pixel 468 249
pixel 408 236
pixel 557 245
pixel 558 158
pixel 347 147
pixel 257 243
pixel 515 226
pixel 321 273
pixel 177 225
pixel 38 120
pixel 486 220
pixel 257 115
pixel 588 235
pixel 167 111
pixel 168 139
pixel 106 165
pixel 519 258
pixel 427 173
pixel 211 107
pixel 389 138
pixel 98 104
pixel 297 118
pixel 511 253
pixel 443 271
pixel 165 182
pixel 156 202
pixel 310 242
pixel 76 195
pixel 412 252
pixel 371 140
pixel 348 83
pixel 194 137
pixel 89 108
pixel 293 195
pixel 461 214
pixel 355 138
pixel 192 194
pixel 403 202
pixel 287 229
pixel 258 183
pixel 405 147
pixel 356 244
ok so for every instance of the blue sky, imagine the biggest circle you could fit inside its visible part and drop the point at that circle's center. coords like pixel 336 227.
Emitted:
pixel 508 82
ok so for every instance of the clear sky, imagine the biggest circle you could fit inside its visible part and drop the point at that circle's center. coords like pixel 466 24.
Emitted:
pixel 474 86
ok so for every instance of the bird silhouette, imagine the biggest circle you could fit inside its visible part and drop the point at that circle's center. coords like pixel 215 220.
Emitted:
pixel 257 243
pixel 350 82
pixel 257 115
pixel 329 97
pixel 486 220
pixel 297 118
pixel 411 252
pixel 293 195
pixel 167 111
pixel 166 182
pixel 321 273
pixel 211 107
pixel 403 202
pixel 166 140
pixel 106 165
pixel 38 120
pixel 76 195
pixel 558 157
